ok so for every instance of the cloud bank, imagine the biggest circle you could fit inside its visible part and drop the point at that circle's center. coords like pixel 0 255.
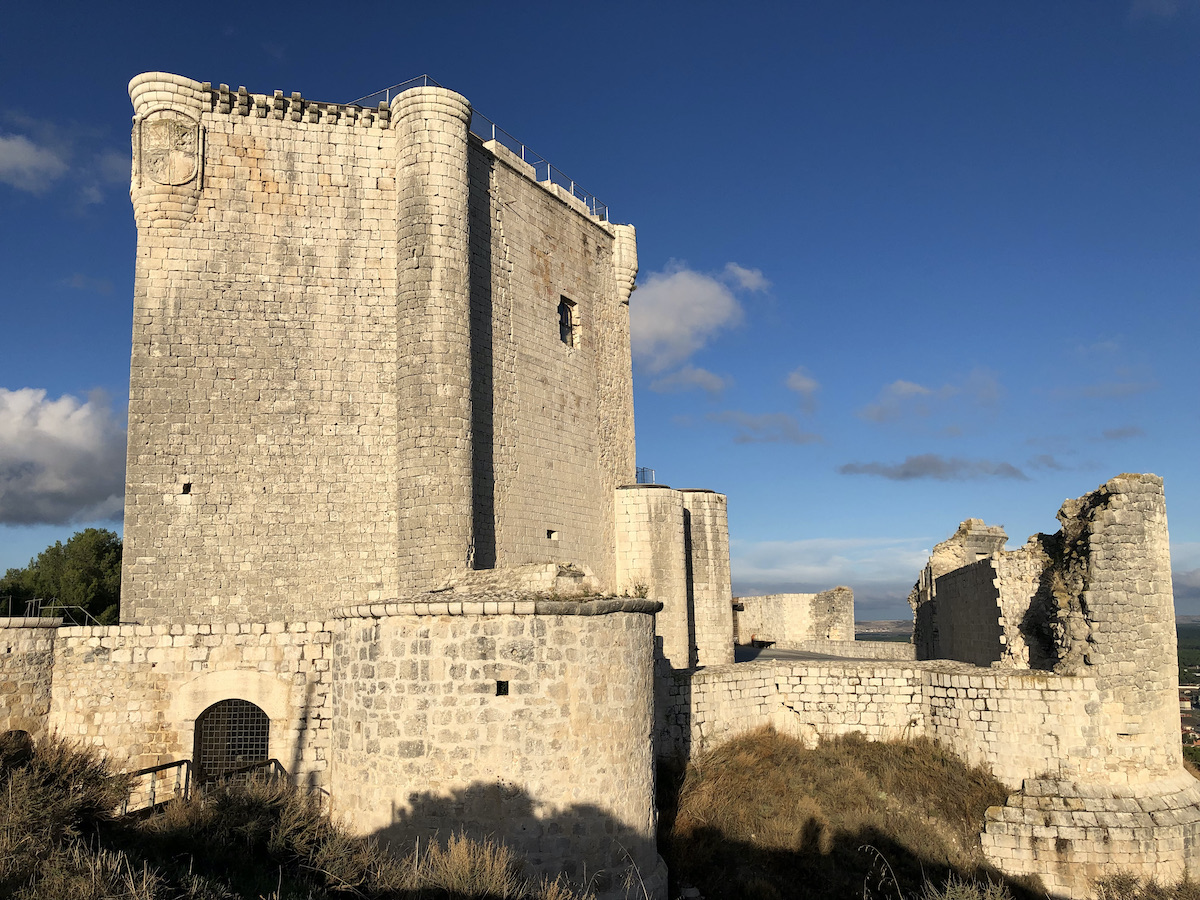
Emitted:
pixel 61 461
pixel 28 166
pixel 907 399
pixel 936 467
pixel 764 428
pixel 689 378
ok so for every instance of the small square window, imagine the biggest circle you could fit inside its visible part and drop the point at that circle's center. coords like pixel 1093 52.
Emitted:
pixel 187 488
pixel 568 322
pixel 501 688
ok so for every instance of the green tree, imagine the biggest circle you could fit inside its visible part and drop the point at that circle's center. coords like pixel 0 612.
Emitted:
pixel 84 572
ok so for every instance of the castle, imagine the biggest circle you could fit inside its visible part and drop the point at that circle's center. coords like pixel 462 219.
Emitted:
pixel 382 525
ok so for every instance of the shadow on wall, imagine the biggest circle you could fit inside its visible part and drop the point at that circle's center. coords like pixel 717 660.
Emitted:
pixel 583 842
pixel 483 471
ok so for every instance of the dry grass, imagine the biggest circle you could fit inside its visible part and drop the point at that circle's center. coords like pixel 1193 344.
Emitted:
pixel 762 816
pixel 259 841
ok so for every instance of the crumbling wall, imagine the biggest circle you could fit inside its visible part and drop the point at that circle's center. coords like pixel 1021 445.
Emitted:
pixel 972 542
pixel 970 623
pixel 789 619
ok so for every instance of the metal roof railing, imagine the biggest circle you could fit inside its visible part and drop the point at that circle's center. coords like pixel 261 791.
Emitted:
pixel 487 130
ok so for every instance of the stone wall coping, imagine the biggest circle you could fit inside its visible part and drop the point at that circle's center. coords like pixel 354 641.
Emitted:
pixel 507 157
pixel 638 487
pixel 29 622
pixel 941 673
pixel 484 605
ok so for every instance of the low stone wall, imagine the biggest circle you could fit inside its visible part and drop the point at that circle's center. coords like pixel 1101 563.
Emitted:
pixel 853 649
pixel 26 673
pixel 1071 834
pixel 1018 724
pixel 135 691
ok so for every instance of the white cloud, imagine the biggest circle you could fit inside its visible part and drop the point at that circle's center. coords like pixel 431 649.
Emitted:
pixel 906 399
pixel 60 460
pixel 805 385
pixel 689 378
pixel 764 428
pixel 746 279
pixel 675 312
pixel 28 166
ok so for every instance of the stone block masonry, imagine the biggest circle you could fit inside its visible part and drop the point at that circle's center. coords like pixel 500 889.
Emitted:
pixel 374 358
pixel 26 673
pixel 1080 721
pixel 532 728
pixel 347 380
pixel 791 619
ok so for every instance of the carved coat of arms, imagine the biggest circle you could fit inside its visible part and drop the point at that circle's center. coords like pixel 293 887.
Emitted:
pixel 169 148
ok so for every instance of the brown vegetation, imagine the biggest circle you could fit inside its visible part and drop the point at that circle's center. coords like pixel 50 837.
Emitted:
pixel 59 838
pixel 764 817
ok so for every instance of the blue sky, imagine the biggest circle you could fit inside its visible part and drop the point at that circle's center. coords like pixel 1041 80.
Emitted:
pixel 901 263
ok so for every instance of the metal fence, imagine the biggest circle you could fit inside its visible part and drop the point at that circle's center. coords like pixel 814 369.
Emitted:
pixel 487 130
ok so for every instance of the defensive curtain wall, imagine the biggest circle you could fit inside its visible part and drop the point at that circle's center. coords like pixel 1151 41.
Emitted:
pixel 1053 664
pixel 381 526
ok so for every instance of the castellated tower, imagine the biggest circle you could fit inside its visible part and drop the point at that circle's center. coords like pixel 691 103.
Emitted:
pixel 349 378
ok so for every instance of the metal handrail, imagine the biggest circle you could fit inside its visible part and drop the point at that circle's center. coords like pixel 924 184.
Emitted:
pixel 182 787
pixel 275 765
pixel 487 130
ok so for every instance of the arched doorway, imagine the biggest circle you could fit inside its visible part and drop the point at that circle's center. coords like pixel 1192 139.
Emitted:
pixel 229 734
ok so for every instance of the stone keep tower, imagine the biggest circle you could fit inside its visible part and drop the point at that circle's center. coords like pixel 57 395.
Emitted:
pixel 352 374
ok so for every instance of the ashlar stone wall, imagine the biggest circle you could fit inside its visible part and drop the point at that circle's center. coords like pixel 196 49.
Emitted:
pixel 26 673
pixel 347 380
pixel 789 619
pixel 530 721
pixel 134 691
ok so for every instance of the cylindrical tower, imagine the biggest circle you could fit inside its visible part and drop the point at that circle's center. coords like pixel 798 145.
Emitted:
pixel 434 506
pixel 525 722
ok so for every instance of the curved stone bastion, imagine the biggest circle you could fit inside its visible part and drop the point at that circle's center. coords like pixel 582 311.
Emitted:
pixel 529 721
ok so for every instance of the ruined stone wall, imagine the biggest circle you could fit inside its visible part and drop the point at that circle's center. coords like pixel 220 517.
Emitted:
pixel 789 619
pixel 135 691
pixel 1070 834
pixel 26 673
pixel 710 594
pixel 972 542
pixel 527 721
pixel 970 626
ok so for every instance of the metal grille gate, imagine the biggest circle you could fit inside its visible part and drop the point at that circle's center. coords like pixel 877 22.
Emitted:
pixel 229 734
